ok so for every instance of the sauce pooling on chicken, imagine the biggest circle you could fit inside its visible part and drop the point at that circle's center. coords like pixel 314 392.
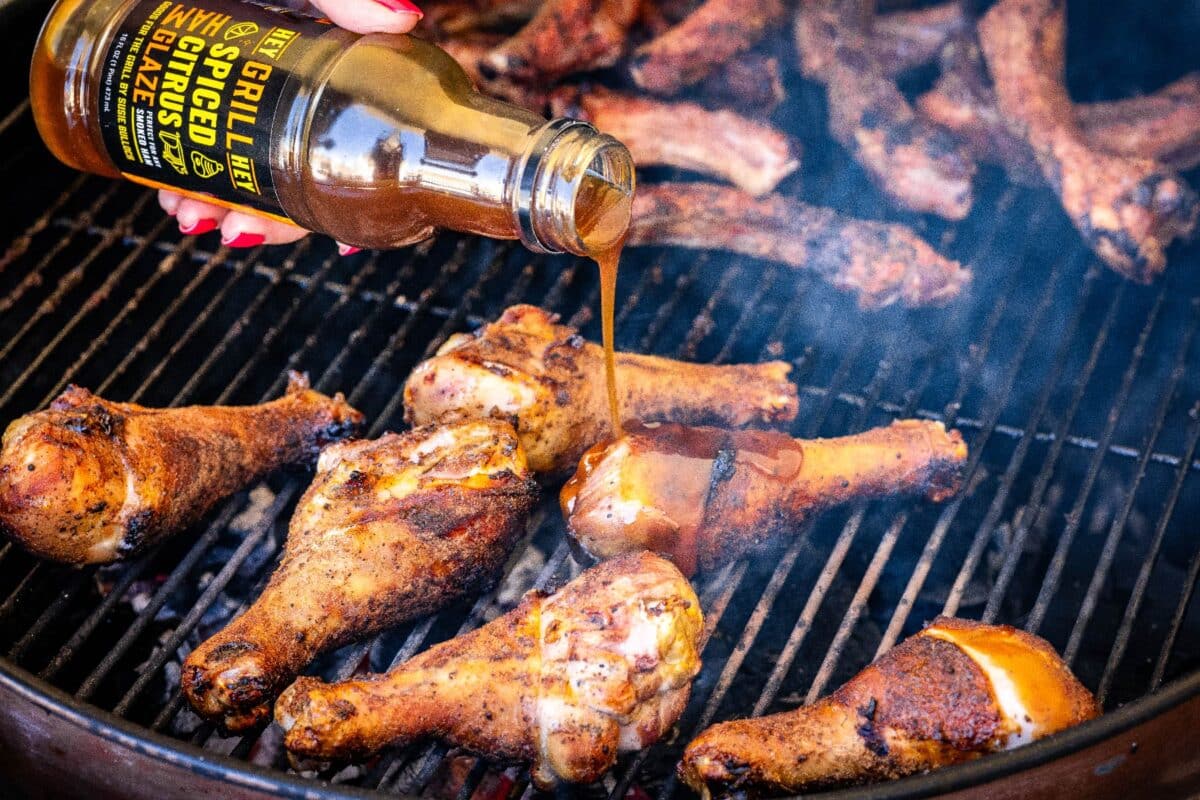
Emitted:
pixel 685 464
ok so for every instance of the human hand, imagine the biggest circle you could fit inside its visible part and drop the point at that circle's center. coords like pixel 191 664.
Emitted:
pixel 240 229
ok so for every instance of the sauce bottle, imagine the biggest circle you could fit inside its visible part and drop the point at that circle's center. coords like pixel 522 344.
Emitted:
pixel 375 140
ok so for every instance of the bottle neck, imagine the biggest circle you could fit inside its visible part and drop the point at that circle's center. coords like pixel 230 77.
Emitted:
pixel 574 190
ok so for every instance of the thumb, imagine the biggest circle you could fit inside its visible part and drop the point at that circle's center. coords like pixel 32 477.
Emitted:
pixel 371 16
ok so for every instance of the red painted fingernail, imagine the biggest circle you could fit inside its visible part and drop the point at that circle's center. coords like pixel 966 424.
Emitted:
pixel 401 7
pixel 245 240
pixel 199 226
pixel 348 249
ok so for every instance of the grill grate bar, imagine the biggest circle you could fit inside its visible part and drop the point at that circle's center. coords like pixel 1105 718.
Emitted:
pixel 65 285
pixel 234 330
pixel 832 566
pixel 14 115
pixel 20 244
pixel 857 605
pixel 198 322
pixel 1133 606
pixel 85 309
pixel 1020 529
pixel 46 617
pixel 950 418
pixel 89 685
pixel 1118 524
pixel 34 277
pixel 10 603
pixel 207 598
pixel 81 634
pixel 1001 397
pixel 1075 517
pixel 1185 598
pixel 1010 431
pixel 166 265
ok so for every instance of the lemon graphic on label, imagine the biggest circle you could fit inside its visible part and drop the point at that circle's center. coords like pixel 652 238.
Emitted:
pixel 204 166
pixel 241 29
pixel 172 151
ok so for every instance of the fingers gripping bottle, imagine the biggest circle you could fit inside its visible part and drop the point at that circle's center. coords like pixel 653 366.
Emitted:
pixel 376 140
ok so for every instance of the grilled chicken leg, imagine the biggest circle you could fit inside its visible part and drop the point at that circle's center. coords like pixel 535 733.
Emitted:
pixel 390 530
pixel 550 382
pixel 566 681
pixel 955 691
pixel 703 496
pixel 91 481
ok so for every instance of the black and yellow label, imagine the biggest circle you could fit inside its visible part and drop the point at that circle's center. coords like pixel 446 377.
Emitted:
pixel 190 90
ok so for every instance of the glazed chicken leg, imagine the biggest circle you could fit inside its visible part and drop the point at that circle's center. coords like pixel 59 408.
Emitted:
pixel 550 382
pixel 91 481
pixel 704 496
pixel 390 530
pixel 566 681
pixel 955 691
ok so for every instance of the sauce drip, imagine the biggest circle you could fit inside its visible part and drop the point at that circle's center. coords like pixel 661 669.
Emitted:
pixel 602 215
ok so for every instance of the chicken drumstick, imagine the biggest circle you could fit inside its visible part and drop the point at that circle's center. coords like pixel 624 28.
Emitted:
pixel 550 383
pixel 704 496
pixel 955 691
pixel 390 530
pixel 566 681
pixel 91 481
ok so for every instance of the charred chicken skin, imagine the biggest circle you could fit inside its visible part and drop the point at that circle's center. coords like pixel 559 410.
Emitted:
pixel 549 382
pixel 918 164
pixel 92 481
pixel 879 262
pixel 704 496
pixel 565 681
pixel 390 530
pixel 955 691
pixel 1127 209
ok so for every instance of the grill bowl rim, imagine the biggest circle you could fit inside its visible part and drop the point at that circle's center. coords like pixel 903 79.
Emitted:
pixel 230 771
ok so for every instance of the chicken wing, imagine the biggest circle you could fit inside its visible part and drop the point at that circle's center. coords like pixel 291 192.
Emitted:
pixel 711 35
pixel 955 691
pixel 564 36
pixel 90 481
pixel 1127 209
pixel 704 496
pixel 565 681
pixel 753 155
pixel 881 263
pixel 390 530
pixel 550 383
pixel 918 164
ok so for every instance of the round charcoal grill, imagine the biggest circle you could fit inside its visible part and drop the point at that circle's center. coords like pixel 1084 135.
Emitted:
pixel 1078 393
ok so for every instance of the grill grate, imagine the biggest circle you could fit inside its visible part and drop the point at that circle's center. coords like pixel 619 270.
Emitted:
pixel 1079 396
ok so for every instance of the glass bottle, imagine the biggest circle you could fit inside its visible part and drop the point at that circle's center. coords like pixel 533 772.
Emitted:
pixel 375 140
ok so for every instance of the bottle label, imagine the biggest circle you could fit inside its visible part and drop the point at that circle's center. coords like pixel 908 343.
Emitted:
pixel 189 91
